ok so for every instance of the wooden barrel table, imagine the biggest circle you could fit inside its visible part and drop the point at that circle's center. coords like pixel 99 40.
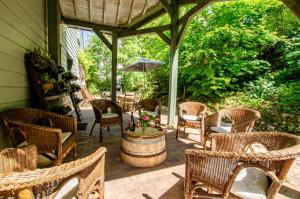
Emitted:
pixel 144 149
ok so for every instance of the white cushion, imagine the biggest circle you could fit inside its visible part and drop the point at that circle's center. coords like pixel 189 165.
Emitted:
pixel 68 189
pixel 154 113
pixel 221 129
pixel 251 183
pixel 191 117
pixel 109 115
pixel 65 136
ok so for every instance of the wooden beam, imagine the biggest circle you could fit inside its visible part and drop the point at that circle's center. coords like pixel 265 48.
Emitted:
pixel 130 11
pixel 53 17
pixel 148 19
pixel 104 39
pixel 103 10
pixel 117 14
pixel 75 7
pixel 193 11
pixel 90 25
pixel 164 37
pixel 167 6
pixel 294 6
pixel 90 10
pixel 174 51
pixel 137 19
pixel 127 33
pixel 114 67
pixel 145 7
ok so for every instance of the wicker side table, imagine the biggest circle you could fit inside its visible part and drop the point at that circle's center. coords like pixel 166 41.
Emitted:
pixel 144 149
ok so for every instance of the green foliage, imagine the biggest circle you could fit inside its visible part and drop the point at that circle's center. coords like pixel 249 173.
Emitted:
pixel 234 53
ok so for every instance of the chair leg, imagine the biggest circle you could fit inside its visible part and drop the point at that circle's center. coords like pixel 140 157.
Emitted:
pixel 122 129
pixel 75 151
pixel 93 128
pixel 108 129
pixel 177 131
pixel 101 137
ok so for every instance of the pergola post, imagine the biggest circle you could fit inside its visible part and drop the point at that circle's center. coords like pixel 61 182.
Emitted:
pixel 114 66
pixel 173 63
pixel 53 11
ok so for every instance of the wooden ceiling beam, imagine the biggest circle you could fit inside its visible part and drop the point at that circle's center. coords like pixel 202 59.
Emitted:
pixel 103 10
pixel 145 7
pixel 93 26
pixel 75 8
pixel 167 6
pixel 148 19
pixel 90 10
pixel 193 11
pixel 130 11
pixel 104 39
pixel 126 33
pixel 139 18
pixel 164 37
pixel 117 14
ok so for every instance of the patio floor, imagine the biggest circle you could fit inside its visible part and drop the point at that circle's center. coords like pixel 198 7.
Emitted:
pixel 164 181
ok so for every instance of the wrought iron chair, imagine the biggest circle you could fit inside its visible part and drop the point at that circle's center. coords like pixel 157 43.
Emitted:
pixel 191 114
pixel 54 142
pixel 107 113
pixel 20 178
pixel 232 171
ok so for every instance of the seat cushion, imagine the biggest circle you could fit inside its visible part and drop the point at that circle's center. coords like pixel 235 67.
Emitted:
pixel 65 136
pixel 221 129
pixel 251 183
pixel 191 117
pixel 109 115
pixel 68 189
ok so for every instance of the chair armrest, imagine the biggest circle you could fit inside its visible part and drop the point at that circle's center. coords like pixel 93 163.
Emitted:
pixel 66 123
pixel 19 180
pixel 211 120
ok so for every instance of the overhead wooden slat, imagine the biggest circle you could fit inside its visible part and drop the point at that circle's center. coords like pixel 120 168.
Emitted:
pixel 117 14
pixel 75 7
pixel 110 12
pixel 91 9
pixel 124 11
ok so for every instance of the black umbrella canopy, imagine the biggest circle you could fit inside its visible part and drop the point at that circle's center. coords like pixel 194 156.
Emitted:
pixel 144 65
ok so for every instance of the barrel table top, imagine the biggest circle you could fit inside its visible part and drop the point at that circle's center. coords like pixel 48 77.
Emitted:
pixel 150 132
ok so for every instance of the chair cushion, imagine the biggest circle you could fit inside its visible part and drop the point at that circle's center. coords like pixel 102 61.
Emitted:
pixel 65 136
pixel 109 115
pixel 221 129
pixel 251 183
pixel 155 113
pixel 68 189
pixel 191 117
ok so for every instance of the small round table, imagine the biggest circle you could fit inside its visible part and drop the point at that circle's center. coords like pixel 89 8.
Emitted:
pixel 144 149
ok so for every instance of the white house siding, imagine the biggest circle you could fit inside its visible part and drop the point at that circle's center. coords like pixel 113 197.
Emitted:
pixel 22 25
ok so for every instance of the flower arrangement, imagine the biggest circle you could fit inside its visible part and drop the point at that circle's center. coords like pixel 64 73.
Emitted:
pixel 146 119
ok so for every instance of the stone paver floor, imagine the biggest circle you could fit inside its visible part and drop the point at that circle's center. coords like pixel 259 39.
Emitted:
pixel 161 182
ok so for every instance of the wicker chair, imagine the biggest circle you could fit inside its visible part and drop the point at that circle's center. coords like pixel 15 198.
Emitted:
pixel 54 142
pixel 107 113
pixel 83 178
pixel 242 120
pixel 230 166
pixel 191 114
pixel 151 105
pixel 129 101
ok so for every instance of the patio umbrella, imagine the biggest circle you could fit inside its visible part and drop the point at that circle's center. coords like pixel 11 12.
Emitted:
pixel 144 65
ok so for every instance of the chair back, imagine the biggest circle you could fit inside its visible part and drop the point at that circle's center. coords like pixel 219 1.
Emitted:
pixel 149 105
pixel 192 108
pixel 17 159
pixel 243 119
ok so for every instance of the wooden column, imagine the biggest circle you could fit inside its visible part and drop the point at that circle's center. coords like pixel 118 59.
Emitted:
pixel 53 11
pixel 173 63
pixel 114 66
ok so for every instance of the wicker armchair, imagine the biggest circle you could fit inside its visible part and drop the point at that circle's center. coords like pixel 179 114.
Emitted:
pixel 242 120
pixel 107 113
pixel 83 178
pixel 54 142
pixel 232 171
pixel 191 114
pixel 151 105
